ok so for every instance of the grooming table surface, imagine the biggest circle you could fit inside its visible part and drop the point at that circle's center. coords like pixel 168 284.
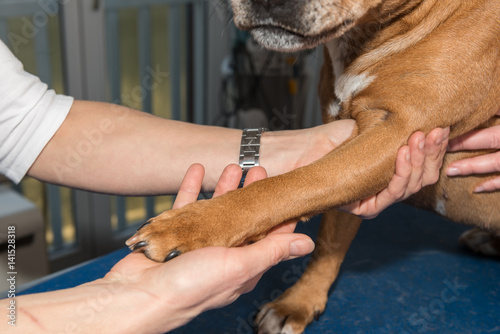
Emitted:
pixel 404 273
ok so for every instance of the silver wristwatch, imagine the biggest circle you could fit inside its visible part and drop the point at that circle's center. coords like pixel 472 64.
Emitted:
pixel 250 147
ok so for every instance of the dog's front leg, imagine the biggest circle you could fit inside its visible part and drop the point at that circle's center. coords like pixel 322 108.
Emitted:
pixel 357 169
pixel 306 300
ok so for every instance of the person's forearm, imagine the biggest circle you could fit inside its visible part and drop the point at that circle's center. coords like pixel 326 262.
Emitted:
pixel 109 148
pixel 97 307
pixel 113 149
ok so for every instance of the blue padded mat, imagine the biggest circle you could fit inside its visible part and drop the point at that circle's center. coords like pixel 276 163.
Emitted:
pixel 404 273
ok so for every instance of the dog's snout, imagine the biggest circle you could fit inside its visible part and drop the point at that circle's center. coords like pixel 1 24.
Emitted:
pixel 267 4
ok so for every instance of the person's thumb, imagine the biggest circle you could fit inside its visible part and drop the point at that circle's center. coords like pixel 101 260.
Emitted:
pixel 275 248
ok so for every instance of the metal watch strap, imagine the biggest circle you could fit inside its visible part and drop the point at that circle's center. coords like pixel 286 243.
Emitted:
pixel 250 147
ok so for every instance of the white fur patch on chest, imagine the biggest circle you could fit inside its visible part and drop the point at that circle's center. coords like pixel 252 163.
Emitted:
pixel 334 109
pixel 346 85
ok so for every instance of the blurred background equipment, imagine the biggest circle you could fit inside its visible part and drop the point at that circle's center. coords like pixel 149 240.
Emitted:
pixel 263 88
pixel 29 256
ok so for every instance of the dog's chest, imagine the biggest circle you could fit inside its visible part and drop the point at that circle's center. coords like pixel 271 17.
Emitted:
pixel 342 51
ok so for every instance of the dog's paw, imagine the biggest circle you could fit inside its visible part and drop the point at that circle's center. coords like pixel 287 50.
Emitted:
pixel 197 225
pixel 166 236
pixel 481 241
pixel 178 231
pixel 287 316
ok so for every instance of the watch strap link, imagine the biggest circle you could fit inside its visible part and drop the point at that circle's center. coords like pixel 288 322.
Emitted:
pixel 250 148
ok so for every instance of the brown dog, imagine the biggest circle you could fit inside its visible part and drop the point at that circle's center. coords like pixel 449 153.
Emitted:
pixel 395 66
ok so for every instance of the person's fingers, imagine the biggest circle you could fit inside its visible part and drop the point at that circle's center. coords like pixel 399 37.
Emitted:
pixel 130 265
pixel 426 156
pixel 339 131
pixel 262 255
pixel 229 180
pixel 255 174
pixel 190 186
pixel 488 163
pixel 356 207
pixel 434 150
pixel 371 207
pixel 490 185
pixel 287 227
pixel 396 188
pixel 488 138
pixel 417 158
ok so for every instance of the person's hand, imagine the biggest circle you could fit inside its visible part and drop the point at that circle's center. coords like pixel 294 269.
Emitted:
pixel 488 138
pixel 325 138
pixel 211 277
pixel 283 151
pixel 417 165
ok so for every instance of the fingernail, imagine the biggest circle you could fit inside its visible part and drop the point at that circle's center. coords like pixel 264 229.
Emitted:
pixel 439 140
pixel 453 171
pixel 446 133
pixel 421 143
pixel 479 189
pixel 301 247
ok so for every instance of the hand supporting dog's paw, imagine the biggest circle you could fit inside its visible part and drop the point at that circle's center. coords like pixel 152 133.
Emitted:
pixel 195 225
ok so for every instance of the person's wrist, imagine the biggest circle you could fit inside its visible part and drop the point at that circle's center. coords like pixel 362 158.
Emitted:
pixel 282 151
pixel 160 311
pixel 96 303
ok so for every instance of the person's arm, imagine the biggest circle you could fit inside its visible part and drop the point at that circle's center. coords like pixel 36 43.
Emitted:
pixel 114 149
pixel 142 296
pixel 488 138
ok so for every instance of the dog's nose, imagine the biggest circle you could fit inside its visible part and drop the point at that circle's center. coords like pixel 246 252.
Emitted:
pixel 267 4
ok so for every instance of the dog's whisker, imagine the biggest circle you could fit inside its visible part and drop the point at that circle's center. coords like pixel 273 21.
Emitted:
pixel 220 4
pixel 231 20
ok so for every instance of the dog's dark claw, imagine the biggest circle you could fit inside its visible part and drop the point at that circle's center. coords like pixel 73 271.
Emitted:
pixel 317 314
pixel 139 245
pixel 172 254
pixel 144 225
